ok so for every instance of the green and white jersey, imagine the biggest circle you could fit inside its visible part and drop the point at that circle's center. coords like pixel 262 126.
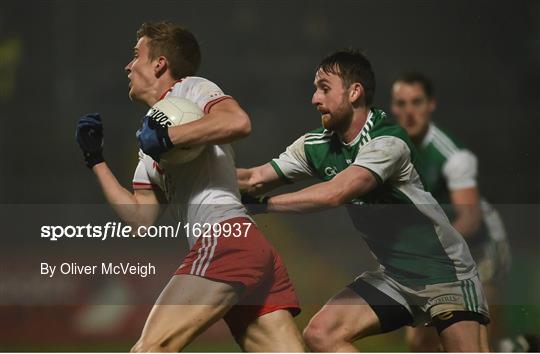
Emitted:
pixel 431 251
pixel 446 165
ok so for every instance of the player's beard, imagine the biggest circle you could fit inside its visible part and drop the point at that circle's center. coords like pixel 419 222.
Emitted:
pixel 340 118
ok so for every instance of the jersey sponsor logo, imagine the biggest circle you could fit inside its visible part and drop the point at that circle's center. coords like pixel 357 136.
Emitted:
pixel 446 299
pixel 330 171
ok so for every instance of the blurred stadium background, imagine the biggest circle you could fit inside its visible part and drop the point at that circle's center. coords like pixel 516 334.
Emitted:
pixel 61 59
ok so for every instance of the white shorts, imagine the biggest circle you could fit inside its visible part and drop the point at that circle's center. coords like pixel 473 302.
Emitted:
pixel 425 302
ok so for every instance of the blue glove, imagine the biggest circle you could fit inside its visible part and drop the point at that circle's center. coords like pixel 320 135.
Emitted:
pixel 153 138
pixel 255 205
pixel 89 136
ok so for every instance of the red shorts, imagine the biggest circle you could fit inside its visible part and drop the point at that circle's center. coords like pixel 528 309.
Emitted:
pixel 249 260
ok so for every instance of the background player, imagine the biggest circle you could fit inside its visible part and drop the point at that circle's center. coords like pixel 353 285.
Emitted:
pixel 240 279
pixel 449 172
pixel 364 160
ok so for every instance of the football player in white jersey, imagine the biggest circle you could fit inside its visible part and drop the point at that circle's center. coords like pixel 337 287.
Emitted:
pixel 239 279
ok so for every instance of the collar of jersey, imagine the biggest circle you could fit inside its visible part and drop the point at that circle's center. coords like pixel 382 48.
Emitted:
pixel 366 128
pixel 171 88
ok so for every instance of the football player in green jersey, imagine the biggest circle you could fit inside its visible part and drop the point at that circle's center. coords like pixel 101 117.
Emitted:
pixel 368 164
pixel 449 171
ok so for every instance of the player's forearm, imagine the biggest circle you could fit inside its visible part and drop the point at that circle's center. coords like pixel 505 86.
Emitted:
pixel 220 127
pixel 314 198
pixel 123 201
pixel 468 220
pixel 351 183
pixel 466 205
pixel 257 180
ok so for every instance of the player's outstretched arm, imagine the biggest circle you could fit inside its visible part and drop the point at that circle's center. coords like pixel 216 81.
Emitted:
pixel 139 208
pixel 258 180
pixel 225 123
pixel 466 204
pixel 460 171
pixel 351 183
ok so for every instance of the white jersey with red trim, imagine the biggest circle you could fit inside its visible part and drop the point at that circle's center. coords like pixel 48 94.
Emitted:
pixel 205 189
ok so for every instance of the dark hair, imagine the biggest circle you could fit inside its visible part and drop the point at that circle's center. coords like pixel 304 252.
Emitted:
pixel 175 43
pixel 417 78
pixel 352 66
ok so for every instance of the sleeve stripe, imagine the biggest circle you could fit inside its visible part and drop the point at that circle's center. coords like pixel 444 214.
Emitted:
pixel 143 185
pixel 279 172
pixel 209 104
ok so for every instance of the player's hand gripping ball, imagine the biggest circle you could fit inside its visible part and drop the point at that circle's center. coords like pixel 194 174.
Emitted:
pixel 154 138
pixel 89 136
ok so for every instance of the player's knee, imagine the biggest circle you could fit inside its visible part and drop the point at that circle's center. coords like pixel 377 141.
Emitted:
pixel 320 337
pixel 315 337
pixel 422 342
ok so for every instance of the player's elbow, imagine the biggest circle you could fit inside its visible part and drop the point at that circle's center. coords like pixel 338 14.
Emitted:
pixel 333 202
pixel 139 223
pixel 242 124
pixel 339 194
pixel 139 216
